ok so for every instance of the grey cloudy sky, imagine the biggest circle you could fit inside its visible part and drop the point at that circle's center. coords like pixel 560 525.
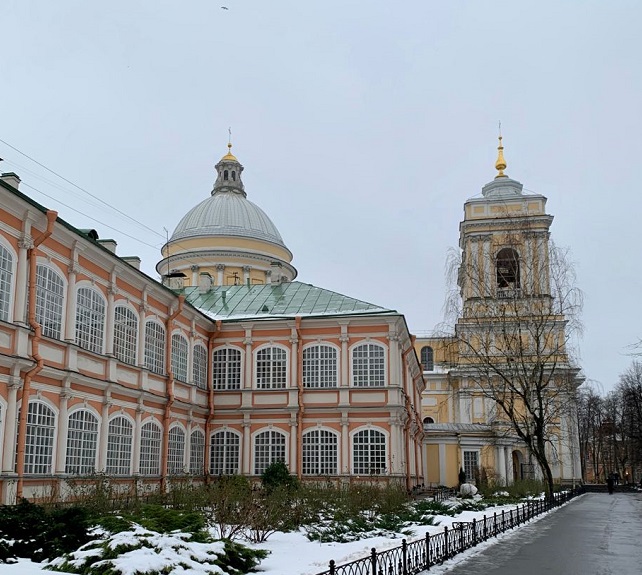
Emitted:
pixel 363 127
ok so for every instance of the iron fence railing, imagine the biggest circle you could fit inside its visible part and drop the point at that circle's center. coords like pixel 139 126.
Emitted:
pixel 414 557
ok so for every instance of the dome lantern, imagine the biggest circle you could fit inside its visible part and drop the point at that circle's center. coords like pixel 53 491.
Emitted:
pixel 229 171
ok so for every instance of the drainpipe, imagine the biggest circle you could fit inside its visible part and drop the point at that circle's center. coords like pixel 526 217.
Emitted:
pixel 406 428
pixel 301 410
pixel 26 386
pixel 210 393
pixel 170 390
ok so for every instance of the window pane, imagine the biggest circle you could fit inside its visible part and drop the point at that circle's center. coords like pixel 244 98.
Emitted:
pixel 199 367
pixel 320 366
pixel 6 282
pixel 150 449
pixel 82 440
pixel 197 453
pixel 269 447
pixel 271 368
pixel 119 447
pixel 224 453
pixel 39 440
pixel 175 451
pixel 320 453
pixel 179 357
pixel 49 301
pixel 125 335
pixel 227 368
pixel 90 320
pixel 155 347
pixel 369 452
pixel 368 366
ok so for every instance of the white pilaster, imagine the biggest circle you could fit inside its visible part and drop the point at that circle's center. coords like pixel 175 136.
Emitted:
pixel 9 447
pixel 63 428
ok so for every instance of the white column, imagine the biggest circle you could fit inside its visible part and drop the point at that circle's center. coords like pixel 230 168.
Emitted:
pixel 395 442
pixel 345 445
pixel 136 446
pixel 442 464
pixel 247 380
pixel 22 266
pixel 510 471
pixel 109 331
pixel 394 364
pixel 268 276
pixel 194 270
pixel 293 444
pixel 220 268
pixel 190 354
pixel 489 286
pixel 188 447
pixel 63 427
pixel 9 448
pixel 142 316
pixel 344 338
pixel 247 448
pixel 70 316
pixel 501 464
pixel 246 274
pixel 103 436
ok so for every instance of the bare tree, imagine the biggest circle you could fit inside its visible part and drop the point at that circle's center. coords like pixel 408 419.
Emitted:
pixel 516 316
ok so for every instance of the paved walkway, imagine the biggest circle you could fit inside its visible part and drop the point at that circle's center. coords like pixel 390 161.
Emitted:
pixel 597 534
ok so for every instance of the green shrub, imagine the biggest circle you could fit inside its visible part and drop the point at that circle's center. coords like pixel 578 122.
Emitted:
pixel 276 475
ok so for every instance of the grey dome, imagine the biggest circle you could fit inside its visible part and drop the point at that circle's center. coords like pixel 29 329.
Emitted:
pixel 227 214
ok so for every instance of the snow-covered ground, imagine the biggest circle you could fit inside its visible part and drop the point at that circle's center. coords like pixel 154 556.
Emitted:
pixel 294 554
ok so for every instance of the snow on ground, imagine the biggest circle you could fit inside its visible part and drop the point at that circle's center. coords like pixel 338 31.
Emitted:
pixel 294 554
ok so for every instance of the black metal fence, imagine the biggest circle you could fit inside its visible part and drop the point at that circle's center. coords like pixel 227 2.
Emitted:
pixel 414 557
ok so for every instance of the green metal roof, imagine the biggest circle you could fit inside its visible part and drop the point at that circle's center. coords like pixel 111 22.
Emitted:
pixel 289 299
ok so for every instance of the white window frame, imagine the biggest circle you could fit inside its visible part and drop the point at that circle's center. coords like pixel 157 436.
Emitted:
pixel 228 462
pixel 199 366
pixel 40 440
pixel 154 347
pixel 358 467
pixel 122 460
pixel 151 446
pixel 125 334
pixel 270 374
pixel 315 451
pixel 318 372
pixel 8 278
pixel 196 453
pixel 261 459
pixel 90 319
pixel 466 464
pixel 82 450
pixel 371 379
pixel 429 364
pixel 225 375
pixel 180 356
pixel 50 305
pixel 176 453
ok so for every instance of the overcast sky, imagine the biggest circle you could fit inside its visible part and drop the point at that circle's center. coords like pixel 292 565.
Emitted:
pixel 363 128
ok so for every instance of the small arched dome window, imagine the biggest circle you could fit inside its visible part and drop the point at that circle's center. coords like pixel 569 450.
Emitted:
pixel 427 358
pixel 225 174
pixel 428 420
pixel 234 175
pixel 507 269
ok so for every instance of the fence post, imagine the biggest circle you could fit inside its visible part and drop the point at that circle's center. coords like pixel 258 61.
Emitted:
pixel 474 532
pixel 461 536
pixel 373 561
pixel 427 565
pixel 485 528
pixel 503 521
pixel 446 543
pixel 331 567
pixel 404 556
pixel 494 524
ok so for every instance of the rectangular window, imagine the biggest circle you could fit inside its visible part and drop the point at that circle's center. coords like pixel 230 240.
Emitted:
pixel 471 465
pixel 227 368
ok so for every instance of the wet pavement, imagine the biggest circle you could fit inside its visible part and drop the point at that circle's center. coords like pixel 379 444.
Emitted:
pixel 596 534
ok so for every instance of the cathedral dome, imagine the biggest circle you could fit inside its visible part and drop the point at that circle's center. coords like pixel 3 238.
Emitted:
pixel 227 214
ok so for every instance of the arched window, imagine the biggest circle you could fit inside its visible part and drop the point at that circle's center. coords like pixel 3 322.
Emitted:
pixel 269 447
pixel 155 347
pixel 90 319
pixel 150 449
pixel 427 358
pixel 508 269
pixel 125 334
pixel 180 350
pixel 82 441
pixel 50 297
pixel 368 365
pixel 39 442
pixel 369 452
pixel 225 453
pixel 271 368
pixel 6 282
pixel 119 446
pixel 227 368
pixel 197 453
pixel 428 420
pixel 320 366
pixel 233 175
pixel 176 451
pixel 199 366
pixel 320 453
pixel 225 174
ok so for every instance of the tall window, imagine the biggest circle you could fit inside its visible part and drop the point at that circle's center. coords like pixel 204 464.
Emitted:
pixel 427 358
pixel 199 366
pixel 269 447
pixel 150 449
pixel 50 290
pixel 119 447
pixel 125 334
pixel 369 452
pixel 320 366
pixel 155 347
pixel 82 440
pixel 271 368
pixel 320 453
pixel 368 365
pixel 197 453
pixel 175 451
pixel 507 269
pixel 224 453
pixel 179 357
pixel 90 319
pixel 6 282
pixel 471 465
pixel 227 368
pixel 41 424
